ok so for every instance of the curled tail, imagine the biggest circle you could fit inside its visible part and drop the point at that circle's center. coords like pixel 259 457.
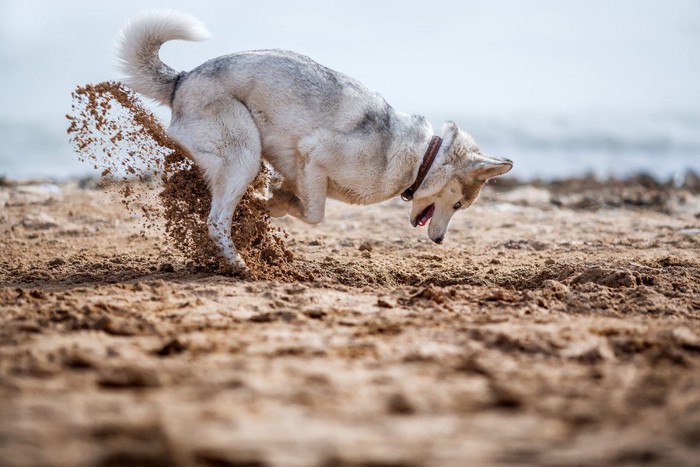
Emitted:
pixel 138 45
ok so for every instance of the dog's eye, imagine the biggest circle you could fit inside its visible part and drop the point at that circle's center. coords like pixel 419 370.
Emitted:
pixel 458 205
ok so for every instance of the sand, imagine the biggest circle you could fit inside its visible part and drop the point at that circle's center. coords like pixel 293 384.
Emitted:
pixel 559 324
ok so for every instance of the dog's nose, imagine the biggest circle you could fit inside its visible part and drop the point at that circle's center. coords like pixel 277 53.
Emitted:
pixel 439 240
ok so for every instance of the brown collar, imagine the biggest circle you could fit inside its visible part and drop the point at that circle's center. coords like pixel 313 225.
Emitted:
pixel 428 159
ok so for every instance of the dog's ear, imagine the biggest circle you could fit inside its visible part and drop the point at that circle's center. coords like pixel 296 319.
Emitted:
pixel 449 133
pixel 452 148
pixel 488 167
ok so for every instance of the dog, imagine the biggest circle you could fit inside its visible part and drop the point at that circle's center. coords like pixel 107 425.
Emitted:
pixel 323 132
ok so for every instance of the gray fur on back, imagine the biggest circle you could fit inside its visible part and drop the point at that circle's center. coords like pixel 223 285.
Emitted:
pixel 282 86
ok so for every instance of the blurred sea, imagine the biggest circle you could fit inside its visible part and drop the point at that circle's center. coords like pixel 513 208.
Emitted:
pixel 664 146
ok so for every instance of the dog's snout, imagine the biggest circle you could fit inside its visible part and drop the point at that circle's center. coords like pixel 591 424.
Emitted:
pixel 439 240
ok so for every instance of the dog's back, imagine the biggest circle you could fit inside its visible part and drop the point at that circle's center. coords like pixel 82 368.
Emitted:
pixel 284 90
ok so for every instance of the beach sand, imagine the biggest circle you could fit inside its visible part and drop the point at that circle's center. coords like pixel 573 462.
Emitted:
pixel 559 324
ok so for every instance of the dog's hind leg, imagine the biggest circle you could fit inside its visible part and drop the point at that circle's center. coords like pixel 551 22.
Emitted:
pixel 225 143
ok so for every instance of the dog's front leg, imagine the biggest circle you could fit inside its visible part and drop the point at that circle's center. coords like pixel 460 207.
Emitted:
pixel 312 187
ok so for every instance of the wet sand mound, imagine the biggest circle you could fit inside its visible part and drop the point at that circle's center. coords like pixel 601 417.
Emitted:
pixel 110 128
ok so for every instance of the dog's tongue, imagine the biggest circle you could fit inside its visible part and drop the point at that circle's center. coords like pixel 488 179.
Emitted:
pixel 426 215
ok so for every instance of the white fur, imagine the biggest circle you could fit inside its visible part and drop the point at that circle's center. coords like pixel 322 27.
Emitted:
pixel 140 40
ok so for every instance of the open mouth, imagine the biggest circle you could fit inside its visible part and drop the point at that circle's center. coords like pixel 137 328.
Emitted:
pixel 425 215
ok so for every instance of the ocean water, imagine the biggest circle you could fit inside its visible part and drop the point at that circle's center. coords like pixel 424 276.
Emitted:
pixel 541 147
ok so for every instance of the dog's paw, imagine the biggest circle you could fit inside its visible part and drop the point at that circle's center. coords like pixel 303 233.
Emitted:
pixel 237 268
pixel 232 264
pixel 238 264
pixel 278 204
pixel 276 208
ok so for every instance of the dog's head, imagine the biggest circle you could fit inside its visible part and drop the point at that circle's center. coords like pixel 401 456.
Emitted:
pixel 454 182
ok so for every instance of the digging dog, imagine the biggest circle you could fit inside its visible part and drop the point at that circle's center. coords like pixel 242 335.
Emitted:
pixel 323 132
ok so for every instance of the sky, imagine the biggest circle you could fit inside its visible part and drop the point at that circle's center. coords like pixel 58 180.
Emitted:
pixel 480 57
pixel 495 59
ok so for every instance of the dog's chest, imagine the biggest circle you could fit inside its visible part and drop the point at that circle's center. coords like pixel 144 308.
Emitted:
pixel 345 194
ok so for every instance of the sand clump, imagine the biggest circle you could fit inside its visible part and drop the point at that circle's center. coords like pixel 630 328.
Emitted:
pixel 111 129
